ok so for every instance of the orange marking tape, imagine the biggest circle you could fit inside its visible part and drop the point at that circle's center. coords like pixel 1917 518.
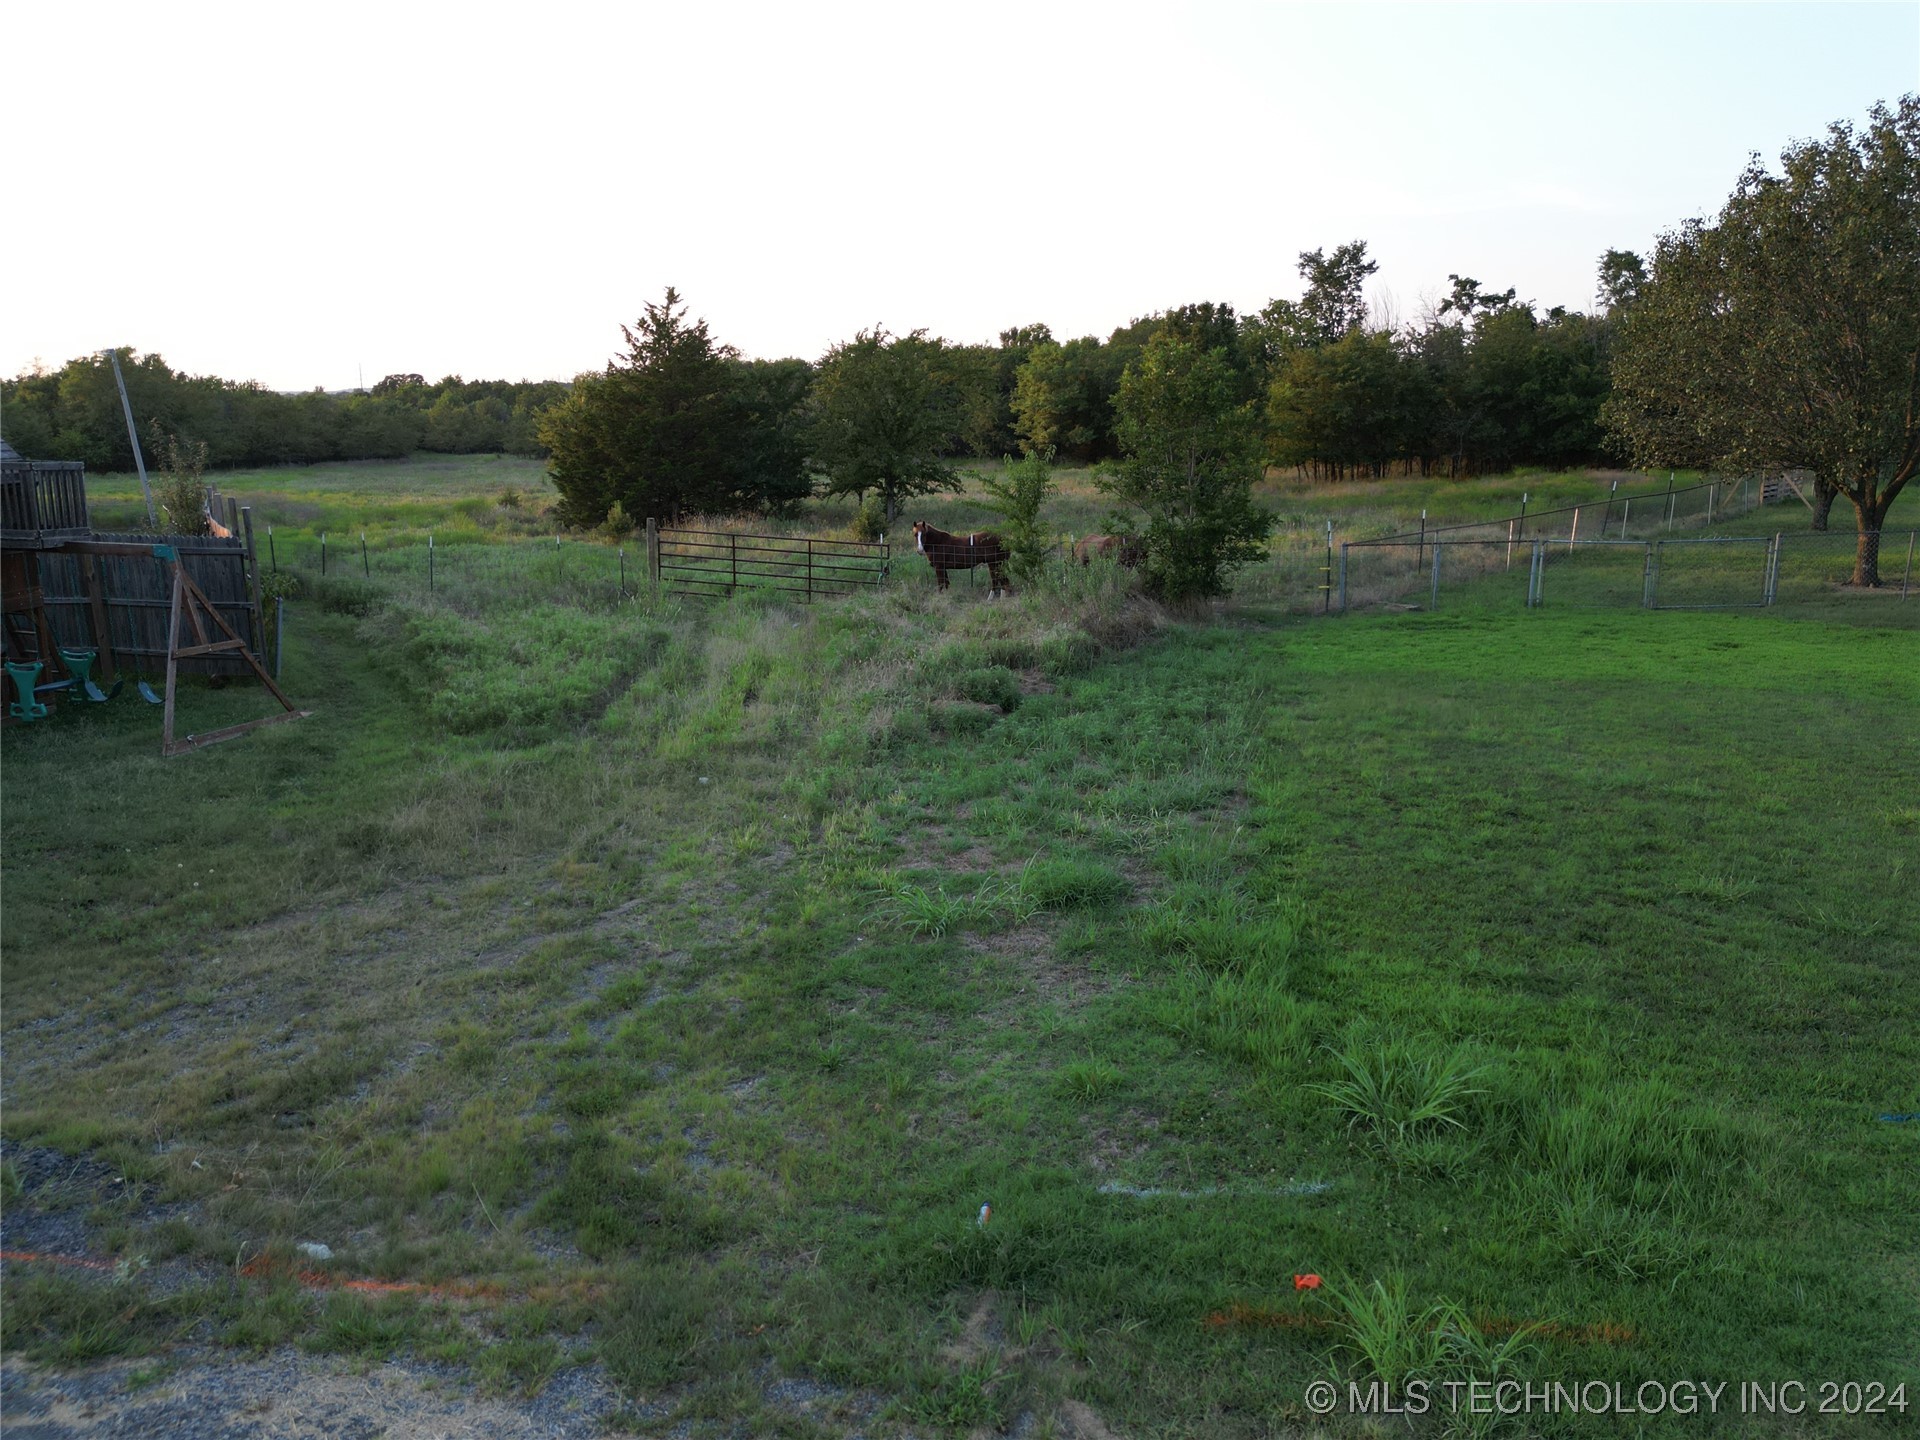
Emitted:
pixel 35 1257
pixel 263 1267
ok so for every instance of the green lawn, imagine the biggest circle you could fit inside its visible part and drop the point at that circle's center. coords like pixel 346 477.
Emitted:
pixel 693 976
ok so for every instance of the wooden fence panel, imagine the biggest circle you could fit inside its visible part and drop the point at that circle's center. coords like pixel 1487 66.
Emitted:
pixel 139 595
pixel 43 496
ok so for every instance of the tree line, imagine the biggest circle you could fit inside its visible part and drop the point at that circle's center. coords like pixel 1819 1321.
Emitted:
pixel 74 413
pixel 1481 384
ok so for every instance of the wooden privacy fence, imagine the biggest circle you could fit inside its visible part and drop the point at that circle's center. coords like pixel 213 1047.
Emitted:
pixel 719 562
pixel 38 497
pixel 133 595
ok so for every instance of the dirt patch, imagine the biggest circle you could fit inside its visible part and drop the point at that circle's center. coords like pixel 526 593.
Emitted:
pixel 291 1396
pixel 981 1336
pixel 1047 978
pixel 1076 1421
pixel 1121 1148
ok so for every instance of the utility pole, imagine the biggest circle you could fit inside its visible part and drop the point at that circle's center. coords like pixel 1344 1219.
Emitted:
pixel 133 437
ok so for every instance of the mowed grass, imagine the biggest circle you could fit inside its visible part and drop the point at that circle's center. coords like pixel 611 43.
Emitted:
pixel 1542 969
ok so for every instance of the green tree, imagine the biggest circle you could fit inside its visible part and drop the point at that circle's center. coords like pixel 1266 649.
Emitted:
pixel 1063 398
pixel 1622 273
pixel 886 418
pixel 981 381
pixel 1190 451
pixel 660 432
pixel 1335 302
pixel 1786 333
pixel 772 442
pixel 1018 496
pixel 1355 406
pixel 1333 305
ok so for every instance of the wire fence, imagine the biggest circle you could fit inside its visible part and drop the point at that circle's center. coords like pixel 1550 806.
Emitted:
pixel 690 563
pixel 1616 516
pixel 472 575
pixel 1645 548
pixel 1658 572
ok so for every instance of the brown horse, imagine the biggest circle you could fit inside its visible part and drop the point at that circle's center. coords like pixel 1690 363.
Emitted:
pixel 962 552
pixel 1129 550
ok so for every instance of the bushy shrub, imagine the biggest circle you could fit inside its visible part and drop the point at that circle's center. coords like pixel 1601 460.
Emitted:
pixel 991 686
pixel 870 520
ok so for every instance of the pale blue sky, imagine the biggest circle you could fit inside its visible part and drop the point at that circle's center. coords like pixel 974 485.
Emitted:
pixel 306 196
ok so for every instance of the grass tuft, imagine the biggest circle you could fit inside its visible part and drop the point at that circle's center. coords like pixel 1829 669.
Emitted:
pixel 1401 1091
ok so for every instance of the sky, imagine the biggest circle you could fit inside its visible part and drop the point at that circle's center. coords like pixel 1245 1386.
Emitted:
pixel 322 195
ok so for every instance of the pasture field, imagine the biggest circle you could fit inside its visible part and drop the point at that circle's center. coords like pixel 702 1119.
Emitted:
pixel 458 498
pixel 670 986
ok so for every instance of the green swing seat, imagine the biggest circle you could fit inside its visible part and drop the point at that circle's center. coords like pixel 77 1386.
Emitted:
pixel 80 665
pixel 29 706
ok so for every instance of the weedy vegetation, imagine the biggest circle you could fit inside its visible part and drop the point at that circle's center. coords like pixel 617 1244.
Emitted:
pixel 669 984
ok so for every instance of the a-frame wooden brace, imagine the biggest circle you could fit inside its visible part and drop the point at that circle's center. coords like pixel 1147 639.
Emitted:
pixel 188 599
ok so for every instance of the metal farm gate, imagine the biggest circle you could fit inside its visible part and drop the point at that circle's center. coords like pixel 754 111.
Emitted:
pixel 719 562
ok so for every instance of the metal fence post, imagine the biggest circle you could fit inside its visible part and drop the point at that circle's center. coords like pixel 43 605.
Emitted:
pixel 1669 502
pixel 1433 603
pixel 1421 561
pixel 1343 575
pixel 253 588
pixel 733 561
pixel 1573 535
pixel 1539 572
pixel 809 569
pixel 1626 509
pixel 1649 577
pixel 653 552
pixel 1909 571
pixel 273 555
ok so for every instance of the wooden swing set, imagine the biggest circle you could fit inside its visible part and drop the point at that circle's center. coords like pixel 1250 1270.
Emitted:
pixel 202 618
